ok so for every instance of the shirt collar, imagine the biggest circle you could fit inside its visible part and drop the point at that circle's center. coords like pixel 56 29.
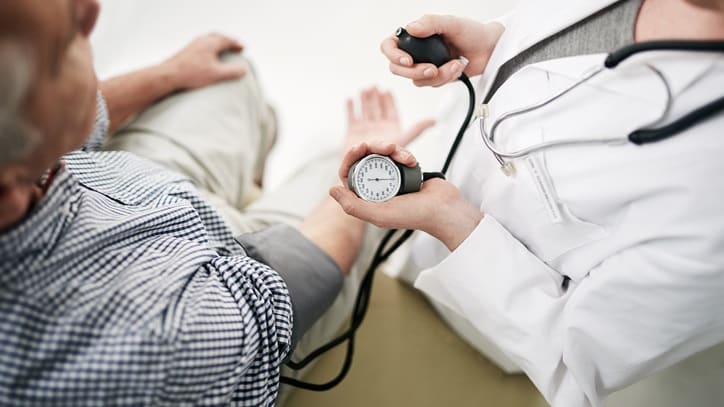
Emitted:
pixel 44 225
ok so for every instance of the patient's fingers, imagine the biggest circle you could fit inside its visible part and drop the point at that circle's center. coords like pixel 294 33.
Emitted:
pixel 351 114
pixel 389 109
pixel 375 104
pixel 365 106
pixel 225 43
pixel 371 105
pixel 230 71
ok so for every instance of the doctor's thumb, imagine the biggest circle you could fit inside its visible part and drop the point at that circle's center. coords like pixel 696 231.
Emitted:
pixel 346 199
pixel 431 24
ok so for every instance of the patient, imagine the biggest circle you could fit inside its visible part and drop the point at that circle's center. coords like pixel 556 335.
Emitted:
pixel 122 282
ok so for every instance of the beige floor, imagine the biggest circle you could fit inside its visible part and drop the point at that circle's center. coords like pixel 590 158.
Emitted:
pixel 406 356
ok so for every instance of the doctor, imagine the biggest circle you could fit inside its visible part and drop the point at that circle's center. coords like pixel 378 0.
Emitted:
pixel 593 266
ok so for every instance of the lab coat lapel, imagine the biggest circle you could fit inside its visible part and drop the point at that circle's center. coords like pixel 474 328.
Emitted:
pixel 531 22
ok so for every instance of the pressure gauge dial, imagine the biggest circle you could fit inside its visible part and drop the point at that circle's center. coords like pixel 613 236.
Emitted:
pixel 377 178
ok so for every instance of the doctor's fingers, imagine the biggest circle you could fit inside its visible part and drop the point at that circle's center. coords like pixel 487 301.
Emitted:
pixel 391 50
pixel 431 24
pixel 401 63
pixel 388 215
pixel 354 206
pixel 417 72
pixel 394 151
pixel 447 73
pixel 418 211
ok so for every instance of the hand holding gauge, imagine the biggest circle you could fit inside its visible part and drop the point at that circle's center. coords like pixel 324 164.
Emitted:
pixel 436 207
pixel 378 178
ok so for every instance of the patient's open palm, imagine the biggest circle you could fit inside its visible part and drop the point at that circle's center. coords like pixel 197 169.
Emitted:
pixel 377 119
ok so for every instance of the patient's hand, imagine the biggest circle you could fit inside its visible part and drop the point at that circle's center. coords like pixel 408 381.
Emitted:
pixel 377 120
pixel 199 65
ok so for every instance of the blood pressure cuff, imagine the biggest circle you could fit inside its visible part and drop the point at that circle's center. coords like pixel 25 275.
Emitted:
pixel 312 277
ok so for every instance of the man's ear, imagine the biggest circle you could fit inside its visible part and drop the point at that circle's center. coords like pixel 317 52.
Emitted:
pixel 17 137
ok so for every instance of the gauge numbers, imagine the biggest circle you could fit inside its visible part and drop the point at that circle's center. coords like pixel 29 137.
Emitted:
pixel 376 178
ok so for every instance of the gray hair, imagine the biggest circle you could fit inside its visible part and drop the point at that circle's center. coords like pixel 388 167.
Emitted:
pixel 17 137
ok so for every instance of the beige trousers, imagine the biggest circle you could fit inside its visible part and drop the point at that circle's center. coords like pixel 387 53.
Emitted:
pixel 219 137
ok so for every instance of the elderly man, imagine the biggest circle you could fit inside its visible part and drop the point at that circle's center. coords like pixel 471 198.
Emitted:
pixel 123 282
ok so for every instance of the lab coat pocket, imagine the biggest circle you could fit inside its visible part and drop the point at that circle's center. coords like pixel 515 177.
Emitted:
pixel 572 233
pixel 557 201
pixel 586 178
pixel 557 229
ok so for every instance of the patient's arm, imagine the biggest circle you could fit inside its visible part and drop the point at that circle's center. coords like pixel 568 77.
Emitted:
pixel 195 66
pixel 374 119
pixel 335 232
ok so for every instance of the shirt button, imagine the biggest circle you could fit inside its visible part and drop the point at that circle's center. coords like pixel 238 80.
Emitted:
pixel 65 210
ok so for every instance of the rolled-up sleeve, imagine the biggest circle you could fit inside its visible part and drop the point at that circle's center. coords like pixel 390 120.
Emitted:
pixel 312 277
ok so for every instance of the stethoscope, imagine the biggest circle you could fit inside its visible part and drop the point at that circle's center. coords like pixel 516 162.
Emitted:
pixel 433 50
pixel 644 135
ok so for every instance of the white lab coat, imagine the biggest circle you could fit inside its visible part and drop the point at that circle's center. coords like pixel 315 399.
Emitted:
pixel 638 229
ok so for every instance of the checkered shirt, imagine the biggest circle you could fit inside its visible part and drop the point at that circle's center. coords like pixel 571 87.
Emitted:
pixel 124 287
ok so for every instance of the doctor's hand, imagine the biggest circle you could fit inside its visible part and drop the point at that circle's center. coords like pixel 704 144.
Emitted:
pixel 465 37
pixel 199 63
pixel 438 209
pixel 377 119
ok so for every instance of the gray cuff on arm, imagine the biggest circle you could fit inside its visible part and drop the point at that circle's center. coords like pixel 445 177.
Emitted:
pixel 312 277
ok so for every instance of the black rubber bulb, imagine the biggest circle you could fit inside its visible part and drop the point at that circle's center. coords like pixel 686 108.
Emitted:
pixel 424 50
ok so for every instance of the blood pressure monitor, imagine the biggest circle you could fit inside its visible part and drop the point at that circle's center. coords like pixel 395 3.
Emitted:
pixel 377 178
